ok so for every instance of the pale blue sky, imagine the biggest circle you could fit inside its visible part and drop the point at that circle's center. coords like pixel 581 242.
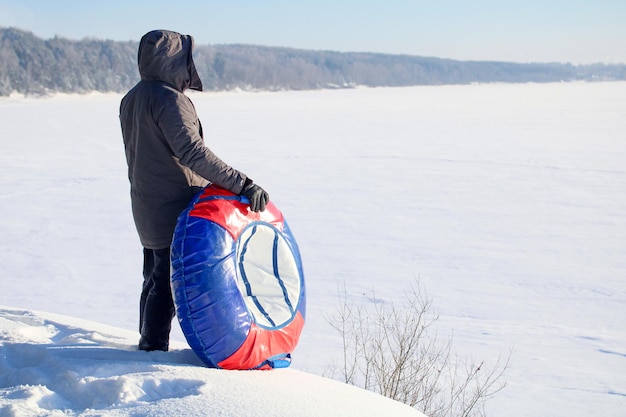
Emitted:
pixel 573 31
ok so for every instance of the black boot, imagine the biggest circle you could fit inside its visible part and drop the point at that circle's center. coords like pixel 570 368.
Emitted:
pixel 150 345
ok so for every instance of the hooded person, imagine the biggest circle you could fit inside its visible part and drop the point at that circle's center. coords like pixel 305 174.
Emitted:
pixel 168 163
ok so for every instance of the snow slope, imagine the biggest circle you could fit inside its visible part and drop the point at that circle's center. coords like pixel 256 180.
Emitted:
pixel 507 201
pixel 55 365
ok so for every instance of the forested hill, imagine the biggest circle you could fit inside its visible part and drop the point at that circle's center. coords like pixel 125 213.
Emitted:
pixel 31 65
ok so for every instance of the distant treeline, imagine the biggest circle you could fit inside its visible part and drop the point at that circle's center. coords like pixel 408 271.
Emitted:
pixel 31 65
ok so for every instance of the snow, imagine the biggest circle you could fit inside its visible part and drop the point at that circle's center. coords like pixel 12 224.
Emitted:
pixel 52 364
pixel 507 202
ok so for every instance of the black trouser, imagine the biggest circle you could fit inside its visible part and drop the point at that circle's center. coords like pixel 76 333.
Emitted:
pixel 156 309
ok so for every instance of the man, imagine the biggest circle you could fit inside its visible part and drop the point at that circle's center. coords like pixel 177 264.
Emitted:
pixel 168 163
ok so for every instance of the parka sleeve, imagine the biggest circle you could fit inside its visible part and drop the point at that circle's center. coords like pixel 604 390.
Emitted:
pixel 179 123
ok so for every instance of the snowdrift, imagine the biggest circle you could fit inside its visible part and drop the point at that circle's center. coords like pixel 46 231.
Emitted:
pixel 57 366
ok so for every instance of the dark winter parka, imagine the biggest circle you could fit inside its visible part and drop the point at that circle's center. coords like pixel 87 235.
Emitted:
pixel 168 162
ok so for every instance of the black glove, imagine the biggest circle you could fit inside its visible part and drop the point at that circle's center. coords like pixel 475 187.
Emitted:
pixel 257 195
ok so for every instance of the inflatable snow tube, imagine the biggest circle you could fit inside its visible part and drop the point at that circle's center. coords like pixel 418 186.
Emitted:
pixel 237 282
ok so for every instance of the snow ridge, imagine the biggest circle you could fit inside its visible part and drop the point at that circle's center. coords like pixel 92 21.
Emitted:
pixel 57 366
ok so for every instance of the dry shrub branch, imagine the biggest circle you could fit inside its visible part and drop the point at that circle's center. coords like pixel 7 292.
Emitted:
pixel 394 350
